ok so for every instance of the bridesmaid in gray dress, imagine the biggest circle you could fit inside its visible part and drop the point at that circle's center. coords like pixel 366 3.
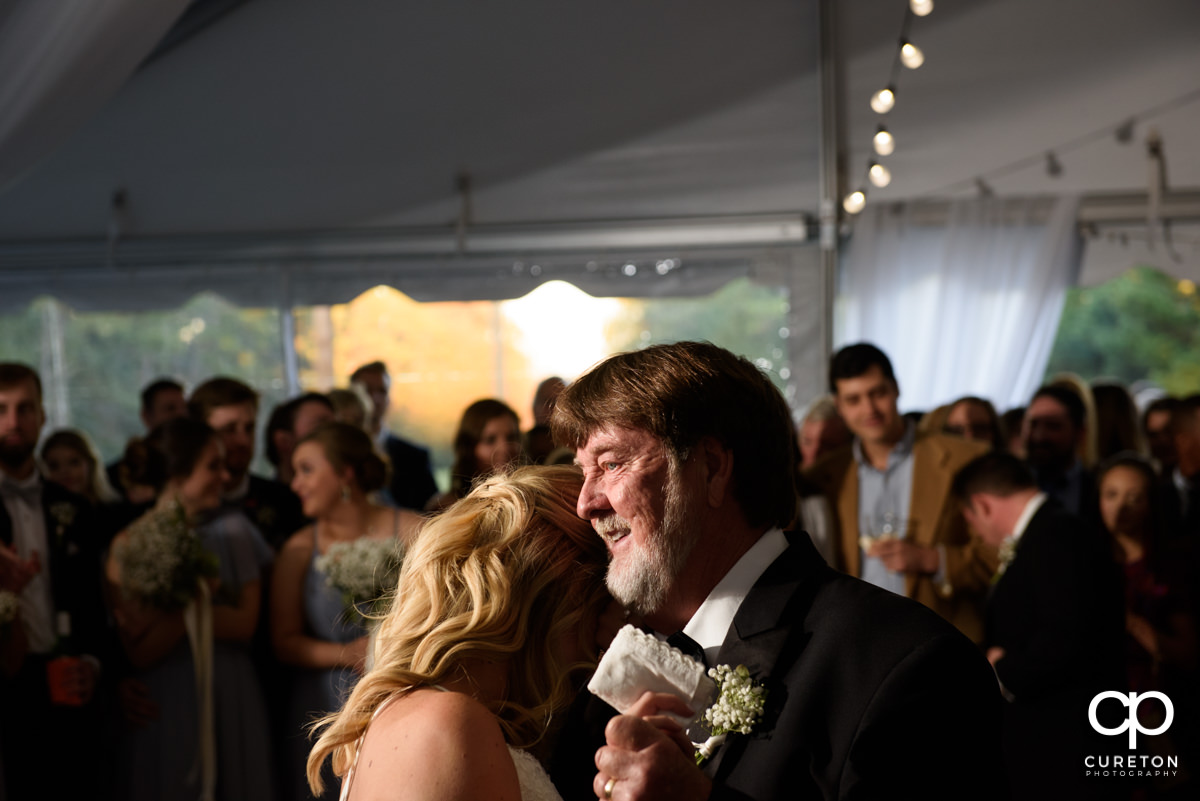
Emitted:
pixel 337 467
pixel 184 462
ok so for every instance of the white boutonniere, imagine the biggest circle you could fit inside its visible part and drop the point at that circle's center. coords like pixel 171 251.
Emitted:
pixel 64 515
pixel 10 604
pixel 737 710
pixel 1008 551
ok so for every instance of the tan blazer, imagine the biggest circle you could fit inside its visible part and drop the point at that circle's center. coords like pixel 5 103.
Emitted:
pixel 933 519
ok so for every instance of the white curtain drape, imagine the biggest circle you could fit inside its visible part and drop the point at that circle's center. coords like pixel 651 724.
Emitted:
pixel 967 304
pixel 60 61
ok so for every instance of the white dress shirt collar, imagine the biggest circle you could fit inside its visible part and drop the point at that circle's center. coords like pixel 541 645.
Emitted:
pixel 1030 510
pixel 712 620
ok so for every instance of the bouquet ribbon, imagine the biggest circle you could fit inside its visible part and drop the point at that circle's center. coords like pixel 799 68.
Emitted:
pixel 197 618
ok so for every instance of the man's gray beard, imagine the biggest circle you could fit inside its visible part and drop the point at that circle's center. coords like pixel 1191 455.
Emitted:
pixel 647 577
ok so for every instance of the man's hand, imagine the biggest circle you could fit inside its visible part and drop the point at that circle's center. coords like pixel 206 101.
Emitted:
pixel 15 572
pixel 901 556
pixel 649 756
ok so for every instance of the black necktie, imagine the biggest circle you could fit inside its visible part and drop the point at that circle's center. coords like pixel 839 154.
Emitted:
pixel 689 646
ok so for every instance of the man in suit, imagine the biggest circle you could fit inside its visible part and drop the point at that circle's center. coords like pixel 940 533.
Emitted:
pixel 890 490
pixel 688 472
pixel 162 400
pixel 230 407
pixel 290 422
pixel 1055 426
pixel 50 559
pixel 1055 625
pixel 411 485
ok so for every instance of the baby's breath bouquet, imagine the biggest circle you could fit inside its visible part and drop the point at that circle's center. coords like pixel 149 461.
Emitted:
pixel 162 559
pixel 10 604
pixel 362 571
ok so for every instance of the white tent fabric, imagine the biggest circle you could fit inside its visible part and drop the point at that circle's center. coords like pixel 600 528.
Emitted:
pixel 62 61
pixel 970 308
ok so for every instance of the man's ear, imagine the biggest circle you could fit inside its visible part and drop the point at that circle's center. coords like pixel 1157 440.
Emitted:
pixel 718 470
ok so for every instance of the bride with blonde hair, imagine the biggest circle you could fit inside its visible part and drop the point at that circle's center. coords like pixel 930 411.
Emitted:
pixel 494 621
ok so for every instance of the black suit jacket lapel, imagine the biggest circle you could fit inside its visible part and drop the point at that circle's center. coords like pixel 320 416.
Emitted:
pixel 760 632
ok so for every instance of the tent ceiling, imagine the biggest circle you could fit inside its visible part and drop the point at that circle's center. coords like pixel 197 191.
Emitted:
pixel 294 115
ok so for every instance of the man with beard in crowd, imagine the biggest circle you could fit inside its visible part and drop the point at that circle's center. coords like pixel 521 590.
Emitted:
pixel 1054 428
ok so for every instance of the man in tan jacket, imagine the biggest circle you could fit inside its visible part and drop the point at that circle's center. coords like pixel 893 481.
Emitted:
pixel 898 525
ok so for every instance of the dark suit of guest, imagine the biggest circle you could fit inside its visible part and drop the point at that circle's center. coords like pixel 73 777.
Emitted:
pixel 41 738
pixel 1057 611
pixel 273 508
pixel 869 695
pixel 411 485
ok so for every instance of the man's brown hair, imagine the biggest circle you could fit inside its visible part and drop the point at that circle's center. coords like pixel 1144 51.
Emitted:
pixel 219 391
pixel 13 373
pixel 682 393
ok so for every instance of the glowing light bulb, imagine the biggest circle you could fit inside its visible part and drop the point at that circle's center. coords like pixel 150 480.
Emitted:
pixel 911 55
pixel 855 201
pixel 921 7
pixel 884 142
pixel 884 100
pixel 879 175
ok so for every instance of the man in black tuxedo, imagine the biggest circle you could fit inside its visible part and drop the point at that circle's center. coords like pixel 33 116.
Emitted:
pixel 411 484
pixel 230 407
pixel 688 475
pixel 162 400
pixel 1054 625
pixel 49 557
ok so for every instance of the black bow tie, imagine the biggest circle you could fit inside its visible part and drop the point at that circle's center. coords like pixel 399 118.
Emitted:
pixel 689 646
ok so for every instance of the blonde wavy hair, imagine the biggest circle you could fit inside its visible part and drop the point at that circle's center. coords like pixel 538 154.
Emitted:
pixel 508 573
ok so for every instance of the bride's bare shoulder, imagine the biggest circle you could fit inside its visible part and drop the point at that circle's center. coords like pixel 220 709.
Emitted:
pixel 433 744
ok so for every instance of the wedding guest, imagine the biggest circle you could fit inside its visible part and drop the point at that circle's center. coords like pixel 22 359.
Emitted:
pixel 688 461
pixel 539 444
pixel 411 485
pixel 1182 499
pixel 1053 631
pixel 161 400
pixel 336 468
pixel 1156 427
pixel 898 526
pixel 496 616
pixel 821 431
pixel 230 407
pixel 488 439
pixel 1013 422
pixel 49 557
pixel 183 460
pixel 351 405
pixel 70 460
pixel 290 422
pixel 1055 430
pixel 1117 428
pixel 975 419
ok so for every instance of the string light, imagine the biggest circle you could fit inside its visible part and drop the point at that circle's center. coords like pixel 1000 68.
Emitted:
pixel 921 8
pixel 884 142
pixel 855 201
pixel 884 100
pixel 911 55
pixel 880 175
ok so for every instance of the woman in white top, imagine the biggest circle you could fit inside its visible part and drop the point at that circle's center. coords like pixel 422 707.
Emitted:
pixel 495 621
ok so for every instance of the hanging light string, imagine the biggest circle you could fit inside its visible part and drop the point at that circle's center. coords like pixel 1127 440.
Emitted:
pixel 909 56
pixel 1048 159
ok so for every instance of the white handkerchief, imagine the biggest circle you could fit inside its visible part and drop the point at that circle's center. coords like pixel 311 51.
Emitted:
pixel 637 662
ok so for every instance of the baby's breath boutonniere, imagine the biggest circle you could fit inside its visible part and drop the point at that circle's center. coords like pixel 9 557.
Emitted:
pixel 1008 550
pixel 737 710
pixel 10 604
pixel 64 515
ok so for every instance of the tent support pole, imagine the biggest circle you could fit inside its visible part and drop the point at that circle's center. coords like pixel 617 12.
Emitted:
pixel 287 335
pixel 831 166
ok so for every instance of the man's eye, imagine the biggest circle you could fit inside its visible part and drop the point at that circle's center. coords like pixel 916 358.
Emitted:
pixel 609 466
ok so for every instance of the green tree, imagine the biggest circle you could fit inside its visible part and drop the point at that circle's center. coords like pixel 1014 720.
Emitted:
pixel 1142 325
